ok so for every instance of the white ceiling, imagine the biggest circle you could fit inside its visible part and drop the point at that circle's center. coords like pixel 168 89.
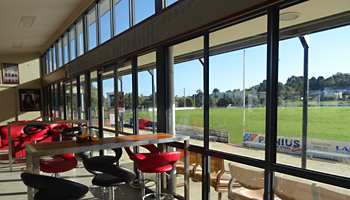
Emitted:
pixel 51 17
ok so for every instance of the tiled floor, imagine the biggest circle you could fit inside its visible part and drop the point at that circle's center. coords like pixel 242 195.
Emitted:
pixel 12 187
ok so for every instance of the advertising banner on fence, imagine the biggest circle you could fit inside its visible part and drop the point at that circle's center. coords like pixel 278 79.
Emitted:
pixel 293 145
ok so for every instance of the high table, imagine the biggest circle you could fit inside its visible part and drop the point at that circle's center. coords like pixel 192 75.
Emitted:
pixel 34 151
pixel 9 124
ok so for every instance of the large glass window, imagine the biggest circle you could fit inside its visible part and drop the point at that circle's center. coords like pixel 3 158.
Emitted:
pixel 237 89
pixel 105 20
pixel 72 43
pixel 121 16
pixel 143 9
pixel 80 38
pixel 321 115
pixel 91 27
pixel 65 48
pixel 147 92
pixel 188 85
pixel 59 53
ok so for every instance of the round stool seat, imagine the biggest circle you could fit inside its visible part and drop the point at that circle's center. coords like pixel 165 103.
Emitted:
pixel 163 162
pixel 65 163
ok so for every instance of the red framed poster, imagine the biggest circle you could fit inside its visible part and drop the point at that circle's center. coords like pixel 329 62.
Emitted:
pixel 10 73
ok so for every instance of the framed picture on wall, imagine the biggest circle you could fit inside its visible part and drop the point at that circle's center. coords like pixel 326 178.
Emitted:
pixel 30 99
pixel 10 73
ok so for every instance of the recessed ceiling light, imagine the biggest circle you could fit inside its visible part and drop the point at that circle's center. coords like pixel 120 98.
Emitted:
pixel 288 16
pixel 27 21
pixel 17 44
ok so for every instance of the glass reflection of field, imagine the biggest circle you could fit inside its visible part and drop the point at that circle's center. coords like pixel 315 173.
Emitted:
pixel 325 123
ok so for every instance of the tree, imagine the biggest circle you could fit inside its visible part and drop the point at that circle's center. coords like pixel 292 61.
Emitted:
pixel 215 92
pixel 223 102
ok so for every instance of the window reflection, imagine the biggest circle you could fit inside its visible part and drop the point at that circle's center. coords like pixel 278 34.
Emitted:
pixel 121 16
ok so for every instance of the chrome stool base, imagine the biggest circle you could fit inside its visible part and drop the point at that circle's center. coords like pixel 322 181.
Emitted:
pixel 162 196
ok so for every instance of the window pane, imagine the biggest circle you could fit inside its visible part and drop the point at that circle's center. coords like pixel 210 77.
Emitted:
pixel 91 24
pixel 324 119
pixel 72 43
pixel 47 62
pixel 74 99
pixel 171 2
pixel 125 88
pixel 59 49
pixel 54 57
pixel 50 60
pixel 68 100
pixel 187 86
pixel 80 38
pixel 109 101
pixel 146 93
pixel 65 48
pixel 143 9
pixel 83 100
pixel 105 20
pixel 121 16
pixel 237 89
pixel 94 99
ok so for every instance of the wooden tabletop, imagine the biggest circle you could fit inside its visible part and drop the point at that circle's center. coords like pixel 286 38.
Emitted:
pixel 47 122
pixel 72 146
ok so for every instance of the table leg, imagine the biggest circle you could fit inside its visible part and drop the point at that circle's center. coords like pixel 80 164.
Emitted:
pixel 187 170
pixel 9 146
pixel 29 169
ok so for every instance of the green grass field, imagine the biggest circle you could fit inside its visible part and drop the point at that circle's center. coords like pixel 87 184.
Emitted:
pixel 325 123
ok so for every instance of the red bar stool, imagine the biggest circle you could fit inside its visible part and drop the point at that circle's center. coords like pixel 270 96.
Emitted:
pixel 137 157
pixel 158 163
pixel 61 163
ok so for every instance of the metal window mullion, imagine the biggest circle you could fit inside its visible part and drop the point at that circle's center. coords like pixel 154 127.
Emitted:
pixel 68 45
pixel 135 104
pixel 71 98
pixel 271 99
pixel 64 101
pixel 112 9
pixel 85 32
pixel 116 101
pixel 44 95
pixel 63 57
pixel 59 103
pixel 76 40
pixel 98 28
pixel 160 5
pixel 100 105
pixel 51 61
pixel 87 97
pixel 162 78
pixel 205 157
pixel 57 55
pixel 78 108
pixel 131 13
pixel 50 100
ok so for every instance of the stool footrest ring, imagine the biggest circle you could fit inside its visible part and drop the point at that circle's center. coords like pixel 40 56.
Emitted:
pixel 139 183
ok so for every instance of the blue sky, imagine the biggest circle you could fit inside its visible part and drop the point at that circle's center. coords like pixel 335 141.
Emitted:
pixel 329 54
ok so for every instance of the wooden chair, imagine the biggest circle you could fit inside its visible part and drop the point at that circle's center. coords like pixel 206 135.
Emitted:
pixel 332 192
pixel 219 178
pixel 180 167
pixel 288 188
pixel 252 182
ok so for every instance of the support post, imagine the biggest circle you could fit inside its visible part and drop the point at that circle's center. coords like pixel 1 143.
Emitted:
pixel 271 100
pixel 304 41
